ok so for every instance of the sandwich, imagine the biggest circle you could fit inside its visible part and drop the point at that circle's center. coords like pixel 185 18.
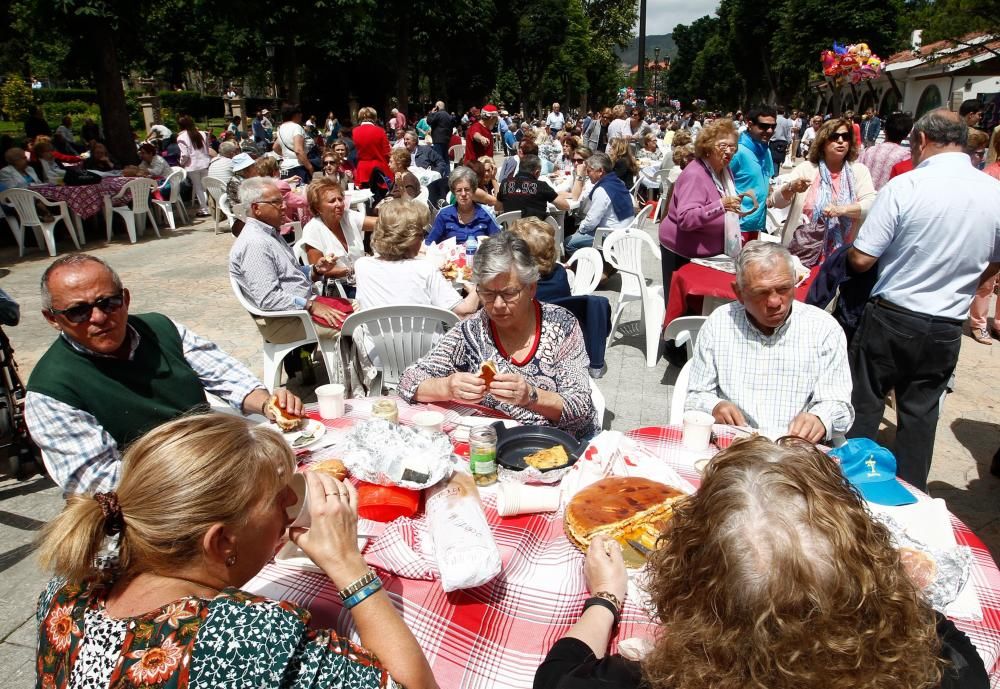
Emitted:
pixel 330 467
pixel 285 420
pixel 548 459
pixel 488 371
pixel 623 508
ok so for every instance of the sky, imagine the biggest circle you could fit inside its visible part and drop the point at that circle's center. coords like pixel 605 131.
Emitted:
pixel 663 15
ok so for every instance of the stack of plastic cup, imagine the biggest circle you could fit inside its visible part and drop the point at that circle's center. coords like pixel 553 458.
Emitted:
pixel 697 432
pixel 519 498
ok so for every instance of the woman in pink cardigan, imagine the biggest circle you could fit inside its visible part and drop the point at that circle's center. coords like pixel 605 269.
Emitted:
pixel 695 224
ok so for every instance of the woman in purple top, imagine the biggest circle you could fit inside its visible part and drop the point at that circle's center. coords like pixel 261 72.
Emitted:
pixel 695 224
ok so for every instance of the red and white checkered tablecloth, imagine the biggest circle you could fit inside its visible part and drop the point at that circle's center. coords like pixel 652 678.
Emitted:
pixel 86 200
pixel 496 635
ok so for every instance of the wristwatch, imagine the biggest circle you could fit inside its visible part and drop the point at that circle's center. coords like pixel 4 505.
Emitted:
pixel 533 395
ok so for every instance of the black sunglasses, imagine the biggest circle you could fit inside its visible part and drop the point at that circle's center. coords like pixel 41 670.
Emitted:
pixel 764 125
pixel 841 136
pixel 579 160
pixel 81 312
pixel 329 162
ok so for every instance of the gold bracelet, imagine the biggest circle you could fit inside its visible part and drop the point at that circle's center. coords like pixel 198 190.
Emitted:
pixel 357 585
pixel 610 597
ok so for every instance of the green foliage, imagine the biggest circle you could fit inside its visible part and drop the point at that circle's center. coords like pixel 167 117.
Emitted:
pixel 952 19
pixel 66 95
pixel 16 97
pixel 193 103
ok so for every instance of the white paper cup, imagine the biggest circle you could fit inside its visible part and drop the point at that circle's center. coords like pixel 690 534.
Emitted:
pixel 518 498
pixel 331 400
pixel 697 432
pixel 350 186
pixel 299 511
pixel 428 421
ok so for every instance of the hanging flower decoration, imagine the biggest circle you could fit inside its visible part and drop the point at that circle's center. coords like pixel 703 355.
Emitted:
pixel 854 62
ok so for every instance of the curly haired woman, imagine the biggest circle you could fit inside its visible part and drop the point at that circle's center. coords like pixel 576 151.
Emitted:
pixel 771 576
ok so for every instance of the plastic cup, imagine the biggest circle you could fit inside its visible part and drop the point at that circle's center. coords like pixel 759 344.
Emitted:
pixel 331 400
pixel 350 186
pixel 519 498
pixel 428 421
pixel 697 431
pixel 299 511
pixel 385 503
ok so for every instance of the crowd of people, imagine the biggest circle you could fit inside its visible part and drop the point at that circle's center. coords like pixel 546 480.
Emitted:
pixel 169 511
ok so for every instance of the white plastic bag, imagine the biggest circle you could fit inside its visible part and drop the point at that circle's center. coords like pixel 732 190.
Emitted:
pixel 466 554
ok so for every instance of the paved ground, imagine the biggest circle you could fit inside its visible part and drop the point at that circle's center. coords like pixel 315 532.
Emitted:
pixel 184 276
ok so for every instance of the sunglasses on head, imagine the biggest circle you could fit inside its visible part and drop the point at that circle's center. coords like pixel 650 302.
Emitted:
pixel 81 312
pixel 841 136
pixel 765 125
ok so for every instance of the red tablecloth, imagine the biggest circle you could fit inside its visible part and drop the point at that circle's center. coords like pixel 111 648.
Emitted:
pixel 86 200
pixel 496 635
pixel 691 284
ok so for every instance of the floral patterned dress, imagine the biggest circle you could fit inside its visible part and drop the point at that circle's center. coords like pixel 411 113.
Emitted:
pixel 233 640
pixel 557 362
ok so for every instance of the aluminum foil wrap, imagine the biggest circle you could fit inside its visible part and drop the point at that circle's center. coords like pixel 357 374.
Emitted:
pixel 388 454
pixel 952 566
pixel 531 475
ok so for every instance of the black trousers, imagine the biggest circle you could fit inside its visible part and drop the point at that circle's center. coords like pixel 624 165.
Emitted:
pixel 915 355
pixel 778 151
pixel 669 262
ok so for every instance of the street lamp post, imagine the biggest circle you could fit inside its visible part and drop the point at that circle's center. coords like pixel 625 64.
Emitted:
pixel 656 76
pixel 640 88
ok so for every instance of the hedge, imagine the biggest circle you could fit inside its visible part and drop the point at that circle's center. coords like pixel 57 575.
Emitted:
pixel 193 103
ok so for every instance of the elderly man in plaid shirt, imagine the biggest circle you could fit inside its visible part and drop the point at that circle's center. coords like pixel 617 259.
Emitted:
pixel 110 377
pixel 769 362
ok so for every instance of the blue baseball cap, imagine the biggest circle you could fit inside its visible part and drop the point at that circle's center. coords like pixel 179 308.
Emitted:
pixel 871 468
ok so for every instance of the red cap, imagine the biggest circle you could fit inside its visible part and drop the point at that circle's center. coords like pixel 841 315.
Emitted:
pixel 490 110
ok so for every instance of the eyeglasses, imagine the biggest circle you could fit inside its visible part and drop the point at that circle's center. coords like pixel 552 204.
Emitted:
pixel 489 296
pixel 841 136
pixel 81 312
pixel 578 161
pixel 327 163
pixel 723 146
pixel 277 204
pixel 766 126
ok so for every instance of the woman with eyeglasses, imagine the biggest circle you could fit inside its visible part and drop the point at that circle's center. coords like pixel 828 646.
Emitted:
pixel 696 224
pixel 830 191
pixel 596 136
pixel 333 231
pixel 538 349
pixel 489 182
pixel 465 218
pixel 336 164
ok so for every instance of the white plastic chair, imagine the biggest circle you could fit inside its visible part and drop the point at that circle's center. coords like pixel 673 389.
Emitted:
pixel 623 250
pixel 134 215
pixel 23 202
pixel 560 232
pixel 401 335
pixel 227 210
pixel 275 353
pixel 597 397
pixel 504 219
pixel 299 249
pixel 680 395
pixel 457 155
pixel 215 189
pixel 684 330
pixel 587 266
pixel 166 206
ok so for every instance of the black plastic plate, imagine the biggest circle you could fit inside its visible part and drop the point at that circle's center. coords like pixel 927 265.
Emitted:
pixel 514 444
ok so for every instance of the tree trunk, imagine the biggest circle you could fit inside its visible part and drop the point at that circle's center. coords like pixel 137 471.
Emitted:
pixel 111 94
pixel 403 69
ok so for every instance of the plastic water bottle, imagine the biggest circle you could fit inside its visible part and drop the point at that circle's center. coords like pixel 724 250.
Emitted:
pixel 471 245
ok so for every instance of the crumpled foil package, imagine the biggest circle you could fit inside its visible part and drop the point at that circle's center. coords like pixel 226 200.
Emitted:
pixel 531 475
pixel 382 452
pixel 953 566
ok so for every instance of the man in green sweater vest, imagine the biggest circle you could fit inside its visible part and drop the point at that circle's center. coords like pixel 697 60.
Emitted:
pixel 110 377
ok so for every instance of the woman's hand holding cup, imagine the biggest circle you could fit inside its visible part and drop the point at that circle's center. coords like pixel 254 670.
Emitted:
pixel 731 203
pixel 331 541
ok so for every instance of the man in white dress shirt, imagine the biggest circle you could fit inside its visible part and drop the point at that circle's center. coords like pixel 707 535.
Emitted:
pixel 768 361
pixel 935 234
pixel 556 120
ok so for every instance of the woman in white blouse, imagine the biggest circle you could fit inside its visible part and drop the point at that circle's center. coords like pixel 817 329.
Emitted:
pixel 334 230
pixel 195 155
pixel 396 275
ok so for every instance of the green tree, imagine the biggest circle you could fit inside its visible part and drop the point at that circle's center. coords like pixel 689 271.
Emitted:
pixel 16 96
pixel 689 39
